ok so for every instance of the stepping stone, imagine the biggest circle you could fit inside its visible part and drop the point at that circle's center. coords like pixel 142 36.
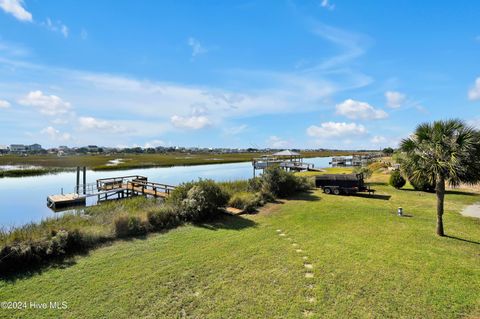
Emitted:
pixel 305 257
pixel 295 245
pixel 281 234
pixel 309 275
pixel 311 299
pixel 308 313
pixel 279 230
pixel 308 266
pixel 289 238
pixel 299 250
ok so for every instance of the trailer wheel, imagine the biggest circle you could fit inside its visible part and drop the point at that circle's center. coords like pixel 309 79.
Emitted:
pixel 336 191
pixel 327 190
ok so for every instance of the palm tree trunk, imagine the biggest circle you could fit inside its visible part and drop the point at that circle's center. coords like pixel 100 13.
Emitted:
pixel 440 191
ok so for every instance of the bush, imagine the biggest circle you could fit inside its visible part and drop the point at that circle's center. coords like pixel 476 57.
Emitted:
pixel 365 170
pixel 18 256
pixel 422 184
pixel 129 226
pixel 248 202
pixel 254 184
pixel 199 201
pixel 163 217
pixel 180 193
pixel 396 180
pixel 280 183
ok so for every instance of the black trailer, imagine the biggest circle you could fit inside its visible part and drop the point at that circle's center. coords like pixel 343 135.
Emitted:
pixel 342 184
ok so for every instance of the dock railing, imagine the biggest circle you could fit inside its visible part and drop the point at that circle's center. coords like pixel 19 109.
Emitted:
pixel 151 188
pixel 117 182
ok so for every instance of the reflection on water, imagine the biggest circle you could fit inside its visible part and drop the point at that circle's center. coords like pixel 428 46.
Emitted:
pixel 23 199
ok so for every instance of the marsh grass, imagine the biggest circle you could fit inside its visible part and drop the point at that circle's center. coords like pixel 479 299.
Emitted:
pixel 131 161
pixel 31 172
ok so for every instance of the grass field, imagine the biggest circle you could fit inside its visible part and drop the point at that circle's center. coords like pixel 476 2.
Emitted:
pixel 366 262
pixel 99 162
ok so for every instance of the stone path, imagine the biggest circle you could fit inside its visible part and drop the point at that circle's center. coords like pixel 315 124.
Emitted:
pixel 310 299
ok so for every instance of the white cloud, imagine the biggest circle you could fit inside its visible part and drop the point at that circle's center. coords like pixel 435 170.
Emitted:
pixel 353 45
pixel 336 129
pixel 91 123
pixel 196 46
pixel 235 130
pixel 277 142
pixel 378 140
pixel 154 143
pixel 13 49
pixel 474 93
pixel 359 110
pixel 395 99
pixel 191 122
pixel 46 104
pixel 4 104
pixel 56 27
pixel 16 8
pixel 55 134
pixel 327 5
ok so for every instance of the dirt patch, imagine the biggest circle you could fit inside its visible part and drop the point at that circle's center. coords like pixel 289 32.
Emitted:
pixel 471 211
pixel 271 208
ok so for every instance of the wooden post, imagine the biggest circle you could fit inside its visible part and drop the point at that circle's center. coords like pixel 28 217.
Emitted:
pixel 84 180
pixel 77 189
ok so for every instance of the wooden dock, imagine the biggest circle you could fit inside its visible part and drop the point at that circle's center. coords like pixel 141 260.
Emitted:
pixel 110 188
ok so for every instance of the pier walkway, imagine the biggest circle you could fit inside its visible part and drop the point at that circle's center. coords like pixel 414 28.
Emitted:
pixel 108 188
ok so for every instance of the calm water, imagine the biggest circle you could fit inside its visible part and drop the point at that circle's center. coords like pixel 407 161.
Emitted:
pixel 23 199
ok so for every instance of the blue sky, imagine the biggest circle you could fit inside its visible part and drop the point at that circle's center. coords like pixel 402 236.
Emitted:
pixel 281 74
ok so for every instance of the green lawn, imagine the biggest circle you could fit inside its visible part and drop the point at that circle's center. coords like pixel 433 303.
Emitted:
pixel 367 262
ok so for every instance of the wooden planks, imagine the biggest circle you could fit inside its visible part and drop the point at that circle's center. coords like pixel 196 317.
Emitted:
pixel 64 200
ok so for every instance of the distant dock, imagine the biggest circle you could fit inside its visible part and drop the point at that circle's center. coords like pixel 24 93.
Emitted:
pixel 287 160
pixel 110 188
pixel 354 160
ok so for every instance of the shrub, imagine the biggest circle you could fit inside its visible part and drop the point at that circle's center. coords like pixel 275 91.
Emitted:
pixel 20 255
pixel 129 226
pixel 422 184
pixel 396 180
pixel 245 201
pixel 280 183
pixel 180 193
pixel 199 201
pixel 163 217
pixel 365 170
pixel 254 184
pixel 58 244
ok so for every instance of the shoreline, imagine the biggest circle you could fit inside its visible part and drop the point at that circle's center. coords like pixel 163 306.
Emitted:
pixel 46 165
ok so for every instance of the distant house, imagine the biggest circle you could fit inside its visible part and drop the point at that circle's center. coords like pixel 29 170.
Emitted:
pixel 92 148
pixel 18 148
pixel 3 149
pixel 35 148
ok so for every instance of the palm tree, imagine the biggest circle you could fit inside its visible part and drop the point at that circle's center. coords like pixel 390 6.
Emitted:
pixel 440 152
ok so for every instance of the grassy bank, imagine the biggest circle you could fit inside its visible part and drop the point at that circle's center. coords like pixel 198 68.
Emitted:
pixel 367 262
pixel 38 244
pixel 130 161
pixel 31 172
